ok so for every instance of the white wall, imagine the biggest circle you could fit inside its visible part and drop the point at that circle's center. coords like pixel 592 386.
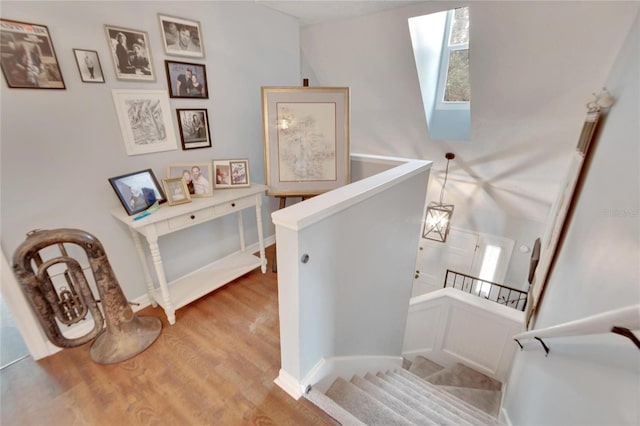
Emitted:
pixel 596 379
pixel 59 147
pixel 533 66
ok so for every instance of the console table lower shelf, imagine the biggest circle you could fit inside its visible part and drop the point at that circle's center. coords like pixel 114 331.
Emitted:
pixel 200 282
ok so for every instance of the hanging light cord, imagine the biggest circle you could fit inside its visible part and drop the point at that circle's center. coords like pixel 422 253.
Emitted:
pixel 446 173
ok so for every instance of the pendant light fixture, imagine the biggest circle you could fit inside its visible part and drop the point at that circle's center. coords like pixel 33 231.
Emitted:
pixel 438 218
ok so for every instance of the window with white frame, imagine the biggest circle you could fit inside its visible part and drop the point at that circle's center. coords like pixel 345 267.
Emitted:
pixel 454 87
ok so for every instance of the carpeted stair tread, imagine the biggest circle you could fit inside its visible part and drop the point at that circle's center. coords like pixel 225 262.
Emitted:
pixel 333 409
pixel 364 406
pixel 430 410
pixel 462 376
pixel 439 396
pixel 483 399
pixel 423 367
pixel 433 400
pixel 396 404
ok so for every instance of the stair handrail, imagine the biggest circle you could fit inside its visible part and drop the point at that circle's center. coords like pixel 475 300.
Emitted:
pixel 522 295
pixel 619 321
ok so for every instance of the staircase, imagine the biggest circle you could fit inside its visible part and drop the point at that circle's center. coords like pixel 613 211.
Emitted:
pixel 421 393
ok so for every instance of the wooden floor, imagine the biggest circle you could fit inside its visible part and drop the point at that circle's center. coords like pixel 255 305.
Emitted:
pixel 215 366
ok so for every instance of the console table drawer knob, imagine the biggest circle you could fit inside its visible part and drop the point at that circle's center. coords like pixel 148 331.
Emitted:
pixel 193 216
pixel 233 204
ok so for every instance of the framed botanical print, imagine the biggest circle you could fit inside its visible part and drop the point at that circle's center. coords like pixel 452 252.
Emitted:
pixel 194 128
pixel 306 139
pixel 145 120
pixel 181 37
pixel 28 59
pixel 130 54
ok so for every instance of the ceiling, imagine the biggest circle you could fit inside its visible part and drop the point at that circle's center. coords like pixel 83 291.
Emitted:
pixel 309 12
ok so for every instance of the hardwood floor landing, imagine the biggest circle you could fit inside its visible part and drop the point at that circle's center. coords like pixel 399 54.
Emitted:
pixel 215 366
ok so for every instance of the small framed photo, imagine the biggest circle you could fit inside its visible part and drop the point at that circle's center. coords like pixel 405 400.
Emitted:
pixel 194 128
pixel 89 66
pixel 145 120
pixel 130 53
pixel 197 177
pixel 181 37
pixel 28 59
pixel 231 173
pixel 137 191
pixel 186 80
pixel 176 190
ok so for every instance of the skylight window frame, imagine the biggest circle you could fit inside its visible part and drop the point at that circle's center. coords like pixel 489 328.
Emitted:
pixel 444 67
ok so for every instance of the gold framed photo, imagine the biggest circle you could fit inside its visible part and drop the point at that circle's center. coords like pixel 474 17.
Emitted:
pixel 306 139
pixel 176 191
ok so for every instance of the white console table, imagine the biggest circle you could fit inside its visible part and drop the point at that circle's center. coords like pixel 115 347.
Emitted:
pixel 168 219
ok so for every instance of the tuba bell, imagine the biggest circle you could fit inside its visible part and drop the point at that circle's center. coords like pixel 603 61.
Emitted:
pixel 55 304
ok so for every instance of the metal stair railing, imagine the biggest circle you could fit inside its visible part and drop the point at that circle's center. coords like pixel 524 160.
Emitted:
pixel 501 294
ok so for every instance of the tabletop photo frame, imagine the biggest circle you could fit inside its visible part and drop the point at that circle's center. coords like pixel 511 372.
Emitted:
pixel 176 191
pixel 89 66
pixel 198 177
pixel 231 173
pixel 137 191
pixel 181 37
pixel 29 60
pixel 145 120
pixel 306 139
pixel 130 54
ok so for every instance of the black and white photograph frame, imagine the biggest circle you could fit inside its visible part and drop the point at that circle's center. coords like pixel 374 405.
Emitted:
pixel 29 60
pixel 176 191
pixel 89 66
pixel 130 54
pixel 145 120
pixel 194 128
pixel 198 177
pixel 137 191
pixel 231 173
pixel 181 37
pixel 186 80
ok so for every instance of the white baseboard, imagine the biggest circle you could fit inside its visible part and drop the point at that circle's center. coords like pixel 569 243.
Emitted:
pixel 289 384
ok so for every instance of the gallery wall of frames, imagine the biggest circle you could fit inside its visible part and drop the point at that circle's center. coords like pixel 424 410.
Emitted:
pixel 119 105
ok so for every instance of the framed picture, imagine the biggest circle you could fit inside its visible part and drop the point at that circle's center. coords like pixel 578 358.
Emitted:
pixel 176 190
pixel 181 37
pixel 186 80
pixel 130 54
pixel 28 58
pixel 194 128
pixel 89 66
pixel 231 173
pixel 145 120
pixel 197 177
pixel 137 191
pixel 306 139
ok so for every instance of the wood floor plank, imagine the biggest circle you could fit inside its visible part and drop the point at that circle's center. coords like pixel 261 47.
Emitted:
pixel 215 366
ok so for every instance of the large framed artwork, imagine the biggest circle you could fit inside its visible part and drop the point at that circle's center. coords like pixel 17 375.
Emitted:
pixel 145 120
pixel 28 58
pixel 130 54
pixel 306 139
pixel 181 37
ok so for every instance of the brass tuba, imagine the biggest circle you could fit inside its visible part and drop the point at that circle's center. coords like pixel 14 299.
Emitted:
pixel 126 334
